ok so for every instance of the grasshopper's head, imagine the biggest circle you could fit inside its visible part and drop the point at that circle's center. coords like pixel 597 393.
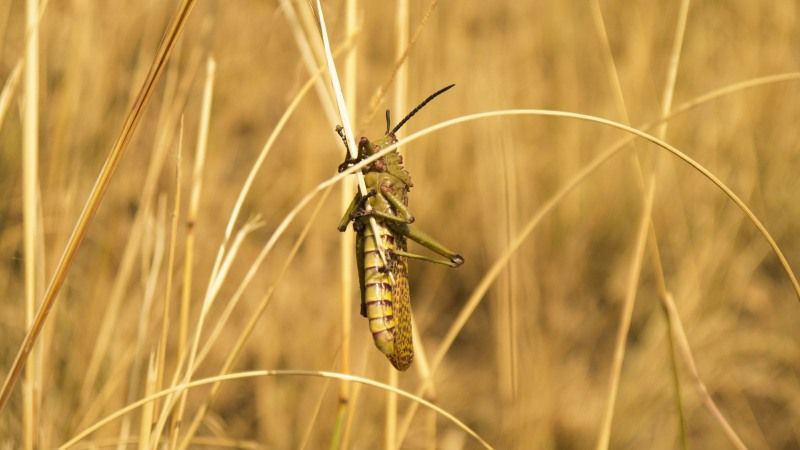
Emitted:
pixel 391 162
pixel 367 148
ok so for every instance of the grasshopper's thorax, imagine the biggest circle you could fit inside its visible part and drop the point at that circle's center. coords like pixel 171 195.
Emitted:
pixel 390 164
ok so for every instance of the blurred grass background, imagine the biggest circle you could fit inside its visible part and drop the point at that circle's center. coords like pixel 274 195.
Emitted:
pixel 531 367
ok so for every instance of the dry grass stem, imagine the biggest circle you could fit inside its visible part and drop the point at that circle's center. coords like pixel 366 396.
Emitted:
pixel 686 353
pixel 666 105
pixel 247 331
pixel 268 373
pixel 478 293
pixel 9 88
pixel 399 75
pixel 626 315
pixel 173 234
pixel 191 224
pixel 30 213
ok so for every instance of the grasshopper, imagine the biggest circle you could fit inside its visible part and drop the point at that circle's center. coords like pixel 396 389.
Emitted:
pixel 385 293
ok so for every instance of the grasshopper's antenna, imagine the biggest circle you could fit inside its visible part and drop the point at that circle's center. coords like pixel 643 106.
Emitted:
pixel 415 110
pixel 388 121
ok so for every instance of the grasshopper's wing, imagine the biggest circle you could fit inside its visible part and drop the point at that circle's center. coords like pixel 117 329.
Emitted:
pixel 401 294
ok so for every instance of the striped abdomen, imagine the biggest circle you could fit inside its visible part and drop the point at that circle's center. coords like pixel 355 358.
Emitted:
pixel 388 303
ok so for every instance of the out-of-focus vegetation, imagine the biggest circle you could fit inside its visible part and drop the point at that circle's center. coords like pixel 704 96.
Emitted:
pixel 532 366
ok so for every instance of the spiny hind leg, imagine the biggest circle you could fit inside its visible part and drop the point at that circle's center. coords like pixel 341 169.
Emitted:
pixel 413 233
pixel 430 259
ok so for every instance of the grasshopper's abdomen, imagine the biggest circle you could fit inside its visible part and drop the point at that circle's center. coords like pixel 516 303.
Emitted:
pixel 386 295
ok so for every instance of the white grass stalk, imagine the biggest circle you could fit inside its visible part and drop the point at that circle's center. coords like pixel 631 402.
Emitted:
pixel 347 240
pixel 348 130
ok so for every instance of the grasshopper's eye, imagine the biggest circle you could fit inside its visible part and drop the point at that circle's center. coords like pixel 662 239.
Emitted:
pixel 365 146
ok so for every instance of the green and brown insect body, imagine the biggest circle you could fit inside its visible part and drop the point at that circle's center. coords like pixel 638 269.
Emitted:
pixel 385 299
pixel 385 293
pixel 384 287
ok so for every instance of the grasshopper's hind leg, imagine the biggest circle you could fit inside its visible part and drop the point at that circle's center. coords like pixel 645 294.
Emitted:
pixel 453 258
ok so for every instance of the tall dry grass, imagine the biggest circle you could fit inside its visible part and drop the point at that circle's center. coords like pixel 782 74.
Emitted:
pixel 613 296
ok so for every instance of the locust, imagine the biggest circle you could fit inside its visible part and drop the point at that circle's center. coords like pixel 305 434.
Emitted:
pixel 383 279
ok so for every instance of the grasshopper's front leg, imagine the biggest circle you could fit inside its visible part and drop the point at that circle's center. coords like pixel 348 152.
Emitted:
pixel 348 215
pixel 398 206
pixel 355 210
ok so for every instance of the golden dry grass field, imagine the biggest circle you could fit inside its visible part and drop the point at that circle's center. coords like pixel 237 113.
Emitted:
pixel 621 289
